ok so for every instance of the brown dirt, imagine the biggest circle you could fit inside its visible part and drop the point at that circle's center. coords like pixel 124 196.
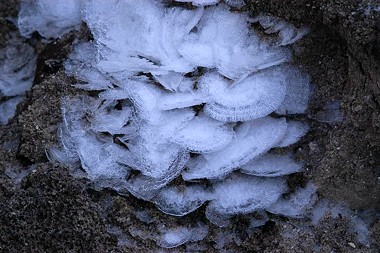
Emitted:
pixel 52 212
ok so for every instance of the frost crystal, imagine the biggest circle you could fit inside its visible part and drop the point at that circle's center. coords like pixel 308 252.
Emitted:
pixel 254 97
pixel 51 19
pixel 195 94
pixel 143 38
pixel 180 201
pixel 241 194
pixel 222 40
pixel 17 69
pixel 171 238
pixel 8 109
pixel 297 204
pixel 252 139
pixel 233 3
pixel 270 165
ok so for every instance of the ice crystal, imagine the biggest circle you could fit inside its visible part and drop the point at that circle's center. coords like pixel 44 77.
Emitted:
pixel 196 94
pixel 17 69
pixel 51 19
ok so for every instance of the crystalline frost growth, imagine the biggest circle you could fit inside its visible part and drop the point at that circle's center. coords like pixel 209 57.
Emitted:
pixel 143 38
pixel 51 19
pixel 224 41
pixel 232 3
pixel 17 68
pixel 254 97
pixel 194 94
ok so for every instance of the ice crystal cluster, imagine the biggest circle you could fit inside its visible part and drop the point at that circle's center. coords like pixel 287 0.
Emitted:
pixel 51 19
pixel 192 104
pixel 17 69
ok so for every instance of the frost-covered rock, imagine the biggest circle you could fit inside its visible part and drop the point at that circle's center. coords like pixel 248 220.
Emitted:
pixel 359 221
pixel 186 95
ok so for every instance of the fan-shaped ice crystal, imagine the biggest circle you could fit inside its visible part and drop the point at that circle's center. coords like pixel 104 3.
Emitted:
pixel 253 138
pixel 294 132
pixel 224 41
pixel 181 200
pixel 271 165
pixel 245 194
pixel 143 38
pixel 203 135
pixel 288 33
pixel 297 204
pixel 254 97
pixel 196 93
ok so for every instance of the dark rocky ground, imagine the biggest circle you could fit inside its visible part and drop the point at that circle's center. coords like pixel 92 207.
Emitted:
pixel 50 211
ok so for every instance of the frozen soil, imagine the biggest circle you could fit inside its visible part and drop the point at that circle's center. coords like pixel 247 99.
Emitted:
pixel 44 209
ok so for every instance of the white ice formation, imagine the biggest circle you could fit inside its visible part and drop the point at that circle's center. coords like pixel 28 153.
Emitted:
pixel 171 238
pixel 17 69
pixel 186 94
pixel 51 19
pixel 232 3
